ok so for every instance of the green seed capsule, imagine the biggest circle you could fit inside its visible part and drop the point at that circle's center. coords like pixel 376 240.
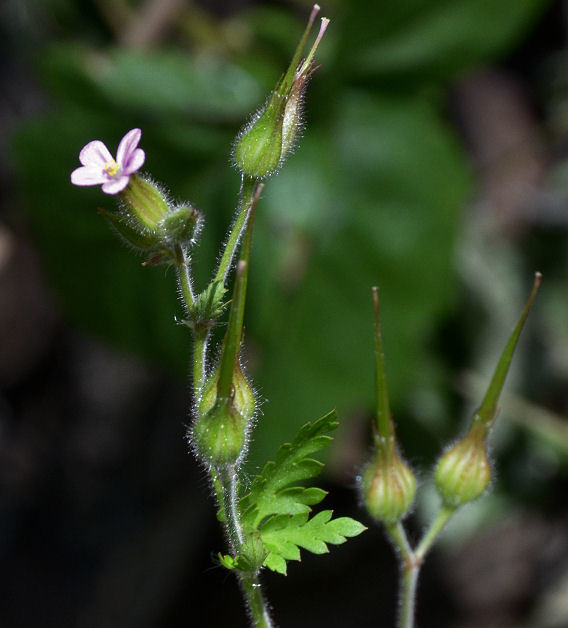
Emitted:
pixel 259 148
pixel 463 473
pixel 264 143
pixel 388 486
pixel 220 434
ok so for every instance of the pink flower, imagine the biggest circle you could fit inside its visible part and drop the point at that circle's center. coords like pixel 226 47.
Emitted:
pixel 100 168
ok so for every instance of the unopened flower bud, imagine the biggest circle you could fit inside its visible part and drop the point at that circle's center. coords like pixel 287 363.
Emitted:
pixel 463 472
pixel 388 486
pixel 144 202
pixel 180 225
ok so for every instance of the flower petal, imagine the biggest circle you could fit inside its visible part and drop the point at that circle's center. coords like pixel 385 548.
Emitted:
pixel 135 162
pixel 87 175
pixel 127 147
pixel 114 186
pixel 95 154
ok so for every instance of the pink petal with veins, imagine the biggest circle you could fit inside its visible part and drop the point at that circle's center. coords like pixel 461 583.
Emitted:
pixel 87 175
pixel 114 186
pixel 135 162
pixel 95 154
pixel 127 146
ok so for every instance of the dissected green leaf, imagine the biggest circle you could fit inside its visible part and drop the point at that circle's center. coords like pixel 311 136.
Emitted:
pixel 270 492
pixel 283 535
pixel 280 512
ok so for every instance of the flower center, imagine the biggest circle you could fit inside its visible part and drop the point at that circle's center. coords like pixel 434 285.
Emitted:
pixel 112 168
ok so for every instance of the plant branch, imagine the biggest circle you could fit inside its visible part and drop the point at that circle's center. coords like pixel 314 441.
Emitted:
pixel 226 480
pixel 226 484
pixel 246 200
pixel 200 338
pixel 184 277
pixel 229 484
pixel 438 524
pixel 410 561
pixel 409 569
pixel 258 608
pixel 232 342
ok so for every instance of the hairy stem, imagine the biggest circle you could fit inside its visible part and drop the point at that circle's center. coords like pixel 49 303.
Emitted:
pixel 400 540
pixel 233 337
pixel 438 524
pixel 409 568
pixel 247 193
pixel 409 582
pixel 226 479
pixel 199 336
pixel 199 360
pixel 182 267
pixel 258 608
pixel 226 483
pixel 229 484
pixel 411 560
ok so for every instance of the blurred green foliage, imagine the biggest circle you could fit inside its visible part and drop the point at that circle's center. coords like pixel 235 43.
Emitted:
pixel 372 196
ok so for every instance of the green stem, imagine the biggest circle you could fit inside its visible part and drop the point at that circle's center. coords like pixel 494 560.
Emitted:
pixel 229 483
pixel 199 336
pixel 199 356
pixel 410 561
pixel 226 480
pixel 226 484
pixel 247 193
pixel 410 573
pixel 182 264
pixel 400 540
pixel 409 569
pixel 252 590
pixel 444 515
pixel 232 342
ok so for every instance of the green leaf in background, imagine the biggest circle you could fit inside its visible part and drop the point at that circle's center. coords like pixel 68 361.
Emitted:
pixel 165 82
pixel 425 40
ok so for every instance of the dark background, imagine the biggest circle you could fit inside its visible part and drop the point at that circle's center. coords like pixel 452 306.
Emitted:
pixel 433 164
